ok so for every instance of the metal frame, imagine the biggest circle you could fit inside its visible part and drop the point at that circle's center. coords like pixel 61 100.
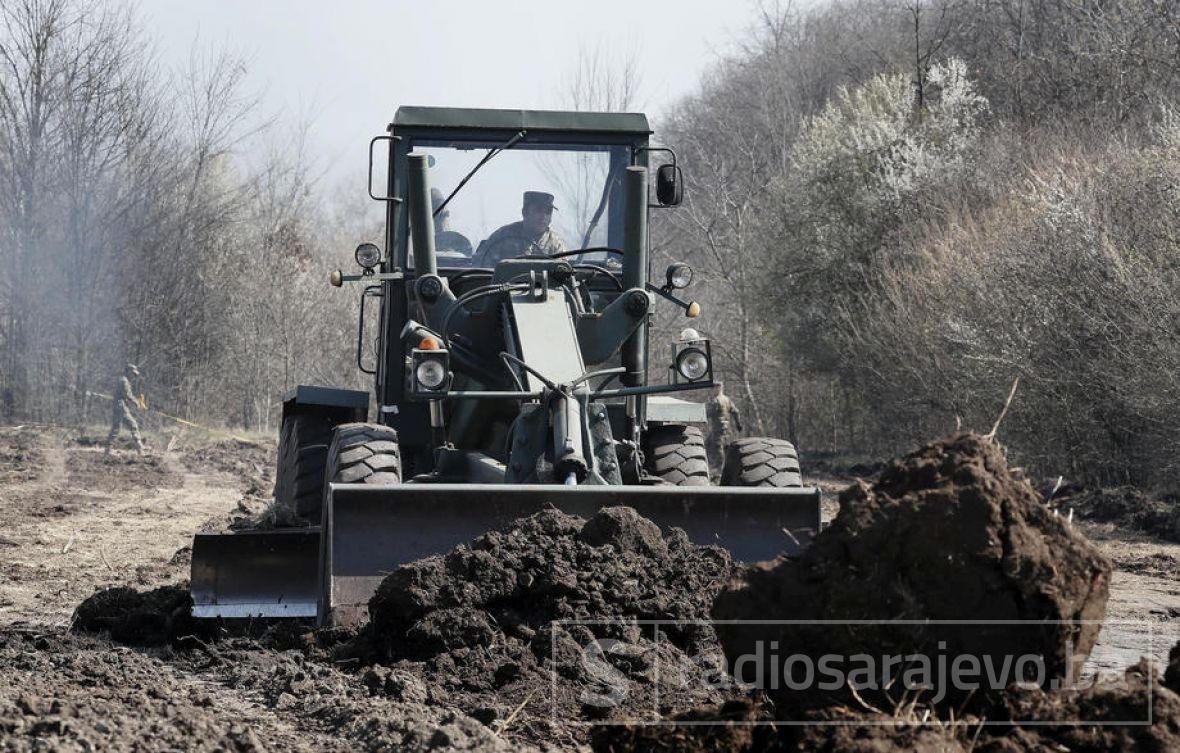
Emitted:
pixel 369 186
pixel 370 291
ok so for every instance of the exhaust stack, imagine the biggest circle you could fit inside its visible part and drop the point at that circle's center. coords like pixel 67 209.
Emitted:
pixel 421 219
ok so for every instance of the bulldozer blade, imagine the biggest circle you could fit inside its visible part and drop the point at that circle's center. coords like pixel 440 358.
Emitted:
pixel 256 573
pixel 371 530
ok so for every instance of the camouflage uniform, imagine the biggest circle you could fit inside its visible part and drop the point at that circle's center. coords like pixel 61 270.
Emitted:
pixel 510 241
pixel 724 425
pixel 121 414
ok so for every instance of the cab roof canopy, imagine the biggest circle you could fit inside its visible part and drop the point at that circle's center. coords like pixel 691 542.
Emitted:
pixel 528 120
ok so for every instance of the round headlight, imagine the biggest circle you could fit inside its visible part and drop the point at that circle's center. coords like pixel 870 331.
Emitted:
pixel 679 276
pixel 431 374
pixel 692 364
pixel 688 334
pixel 368 255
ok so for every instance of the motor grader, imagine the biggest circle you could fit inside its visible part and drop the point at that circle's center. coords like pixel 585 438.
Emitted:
pixel 501 389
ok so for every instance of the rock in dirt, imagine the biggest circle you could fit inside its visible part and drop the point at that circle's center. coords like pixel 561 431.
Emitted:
pixel 478 624
pixel 137 618
pixel 946 533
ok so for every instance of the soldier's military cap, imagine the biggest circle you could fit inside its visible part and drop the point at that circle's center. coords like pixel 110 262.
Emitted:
pixel 539 198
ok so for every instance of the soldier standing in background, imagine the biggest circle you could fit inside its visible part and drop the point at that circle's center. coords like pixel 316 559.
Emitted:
pixel 725 423
pixel 122 404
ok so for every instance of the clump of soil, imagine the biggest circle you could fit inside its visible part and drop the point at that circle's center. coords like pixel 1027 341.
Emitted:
pixel 120 472
pixel 76 693
pixel 1136 713
pixel 137 618
pixel 376 708
pixel 1110 716
pixel 725 729
pixel 21 456
pixel 946 533
pixel 1130 508
pixel 477 624
pixel 254 511
pixel 1172 673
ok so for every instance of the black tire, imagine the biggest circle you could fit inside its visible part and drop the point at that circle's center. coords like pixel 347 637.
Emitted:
pixel 676 454
pixel 364 454
pixel 761 461
pixel 302 458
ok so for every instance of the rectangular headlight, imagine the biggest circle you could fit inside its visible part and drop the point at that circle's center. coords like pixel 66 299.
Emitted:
pixel 430 373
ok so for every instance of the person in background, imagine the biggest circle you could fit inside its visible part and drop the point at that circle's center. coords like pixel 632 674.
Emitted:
pixel 121 411
pixel 725 425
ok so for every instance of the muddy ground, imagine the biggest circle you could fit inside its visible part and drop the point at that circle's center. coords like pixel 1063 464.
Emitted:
pixel 76 522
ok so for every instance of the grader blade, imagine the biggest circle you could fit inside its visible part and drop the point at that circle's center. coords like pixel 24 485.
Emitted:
pixel 256 574
pixel 371 530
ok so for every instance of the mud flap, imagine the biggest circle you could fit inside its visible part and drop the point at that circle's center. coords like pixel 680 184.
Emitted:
pixel 248 574
pixel 371 530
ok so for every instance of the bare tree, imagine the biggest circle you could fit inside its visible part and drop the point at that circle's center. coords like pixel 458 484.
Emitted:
pixel 733 138
pixel 602 79
pixel 35 62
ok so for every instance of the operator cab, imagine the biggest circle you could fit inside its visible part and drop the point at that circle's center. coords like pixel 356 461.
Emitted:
pixel 488 191
pixel 486 171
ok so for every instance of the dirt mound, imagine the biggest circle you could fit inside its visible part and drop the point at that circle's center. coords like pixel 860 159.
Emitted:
pixel 946 533
pixel 477 624
pixel 137 618
pixel 840 464
pixel 244 460
pixel 21 456
pixel 119 472
pixel 1129 508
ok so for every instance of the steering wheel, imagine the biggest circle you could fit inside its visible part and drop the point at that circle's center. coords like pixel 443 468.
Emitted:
pixel 593 270
pixel 485 250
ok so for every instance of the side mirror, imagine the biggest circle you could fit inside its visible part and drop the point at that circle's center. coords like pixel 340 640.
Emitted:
pixel 669 189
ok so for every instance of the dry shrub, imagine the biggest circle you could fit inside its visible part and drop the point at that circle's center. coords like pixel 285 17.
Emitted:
pixel 1069 282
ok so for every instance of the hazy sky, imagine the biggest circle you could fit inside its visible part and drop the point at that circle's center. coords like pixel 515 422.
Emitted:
pixel 352 62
